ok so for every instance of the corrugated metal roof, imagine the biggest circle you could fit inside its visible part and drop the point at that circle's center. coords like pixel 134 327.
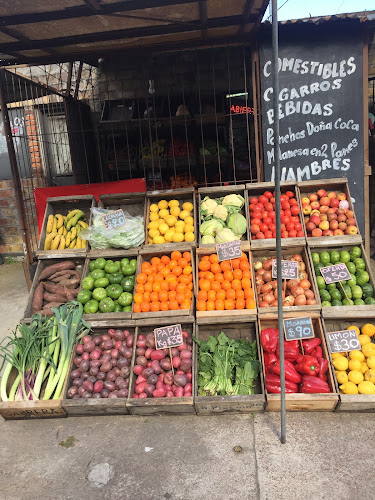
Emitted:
pixel 364 16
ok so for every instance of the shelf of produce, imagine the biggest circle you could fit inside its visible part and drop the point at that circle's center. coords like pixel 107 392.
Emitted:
pixel 108 317
pixel 218 316
pixel 61 205
pixel 350 402
pixel 301 401
pixel 182 196
pixel 306 188
pixel 249 403
pixel 164 405
pixel 361 311
pixel 146 255
pixel 92 406
pixel 257 189
pixel 43 264
pixel 132 203
pixel 302 310
pixel 220 192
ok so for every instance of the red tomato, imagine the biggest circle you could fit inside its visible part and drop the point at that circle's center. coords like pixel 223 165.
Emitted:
pixel 259 206
pixel 285 219
pixel 298 226
pixel 272 200
pixel 283 199
pixel 268 207
pixel 268 235
pixel 289 194
pixel 292 233
pixel 268 194
pixel 253 200
pixel 283 227
pixel 254 229
pixel 262 199
pixel 285 205
pixel 260 236
pixel 251 207
pixel 290 226
pixel 272 227
pixel 295 210
pixel 264 215
pixel 263 228
pixel 287 213
pixel 256 214
pixel 267 220
pixel 272 214
pixel 293 202
pixel 274 234
pixel 284 234
pixel 300 234
pixel 257 221
pixel 294 218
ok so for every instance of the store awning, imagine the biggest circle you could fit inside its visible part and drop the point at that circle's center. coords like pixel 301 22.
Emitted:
pixel 40 31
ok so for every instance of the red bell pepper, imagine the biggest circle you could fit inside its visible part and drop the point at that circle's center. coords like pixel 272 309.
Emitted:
pixel 290 372
pixel 323 368
pixel 291 350
pixel 269 338
pixel 269 359
pixel 318 352
pixel 313 385
pixel 310 345
pixel 308 365
pixel 273 385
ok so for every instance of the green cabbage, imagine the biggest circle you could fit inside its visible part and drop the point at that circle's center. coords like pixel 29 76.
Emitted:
pixel 225 235
pixel 237 223
pixel 209 227
pixel 207 240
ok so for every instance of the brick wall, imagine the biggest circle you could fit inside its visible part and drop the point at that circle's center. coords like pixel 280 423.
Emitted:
pixel 10 238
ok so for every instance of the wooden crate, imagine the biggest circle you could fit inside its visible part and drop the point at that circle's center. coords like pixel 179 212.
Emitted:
pixel 212 405
pixel 181 195
pixel 95 407
pixel 215 317
pixel 346 311
pixel 113 316
pixel 350 402
pixel 61 205
pixel 294 310
pixel 339 186
pixel 146 254
pixel 258 189
pixel 299 401
pixel 219 192
pixel 132 203
pixel 42 264
pixel 161 406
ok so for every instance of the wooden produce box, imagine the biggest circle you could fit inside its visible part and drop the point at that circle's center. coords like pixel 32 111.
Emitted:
pixel 350 402
pixel 161 406
pixel 258 189
pixel 182 196
pixel 109 318
pixel 42 264
pixel 300 401
pixel 305 188
pixel 92 406
pixel 62 205
pixel 142 318
pixel 217 317
pixel 212 405
pixel 290 310
pixel 220 192
pixel 132 203
pixel 346 311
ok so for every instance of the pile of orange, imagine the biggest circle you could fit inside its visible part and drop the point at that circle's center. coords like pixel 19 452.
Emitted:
pixel 225 285
pixel 165 284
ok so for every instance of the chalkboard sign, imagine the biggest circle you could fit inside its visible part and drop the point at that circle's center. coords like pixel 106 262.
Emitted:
pixel 230 250
pixel 289 269
pixel 298 328
pixel 168 336
pixel 320 106
pixel 343 341
pixel 335 273
pixel 113 219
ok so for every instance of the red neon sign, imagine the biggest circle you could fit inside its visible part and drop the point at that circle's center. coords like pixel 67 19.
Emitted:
pixel 242 110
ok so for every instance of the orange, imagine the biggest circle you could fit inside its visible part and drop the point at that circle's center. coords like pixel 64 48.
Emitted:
pixel 209 276
pixel 204 265
pixel 185 304
pixel 205 257
pixel 155 261
pixel 228 275
pixel 246 274
pixel 165 260
pixel 145 265
pixel 221 295
pixel 240 304
pixel 214 259
pixel 137 308
pixel 155 306
pixel 145 307
pixel 204 285
pixel 173 286
pixel 173 305
pixel 226 285
pixel 235 263
pixel 164 306
pixel 229 304
pixel 250 304
pixel 249 293
pixel 154 269
pixel 172 295
pixel 219 305
pixel 215 268
pixel 236 285
pixel 240 294
pixel 180 297
pixel 210 305
pixel 150 278
pixel 147 286
pixel 170 278
pixel 176 255
pixel 180 287
pixel 190 277
pixel 156 287
pixel 188 294
pixel 211 295
pixel 182 262
pixel 160 266
pixel 230 294
pixel 188 270
pixel 154 296
pixel 164 285
pixel 163 296
pixel 183 278
pixel 246 283
pixel 147 271
pixel 225 266
pixel 165 271
pixel 140 288
pixel 138 297
pixel 158 278
pixel 177 271
pixel 201 274
pixel 244 266
pixel 141 278
pixel 219 277
pixel 215 286
pixel 243 257
pixel 237 274
pixel 172 265
pixel 187 256
pixel 146 297
pixel 201 305
pixel 190 285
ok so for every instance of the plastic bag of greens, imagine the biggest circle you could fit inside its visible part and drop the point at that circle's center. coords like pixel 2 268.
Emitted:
pixel 131 234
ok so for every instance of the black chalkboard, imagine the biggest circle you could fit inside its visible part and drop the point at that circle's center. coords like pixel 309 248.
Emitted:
pixel 113 219
pixel 168 336
pixel 298 328
pixel 335 273
pixel 321 106
pixel 230 250
pixel 343 341
pixel 289 269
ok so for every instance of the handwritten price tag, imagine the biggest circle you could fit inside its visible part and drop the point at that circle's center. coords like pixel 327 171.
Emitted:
pixel 344 341
pixel 168 336
pixel 230 250
pixel 289 269
pixel 113 219
pixel 335 273
pixel 298 328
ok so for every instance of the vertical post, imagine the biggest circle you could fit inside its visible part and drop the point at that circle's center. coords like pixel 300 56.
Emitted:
pixel 16 181
pixel 275 73
pixel 366 166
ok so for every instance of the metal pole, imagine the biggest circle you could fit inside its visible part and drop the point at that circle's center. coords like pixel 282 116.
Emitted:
pixel 275 70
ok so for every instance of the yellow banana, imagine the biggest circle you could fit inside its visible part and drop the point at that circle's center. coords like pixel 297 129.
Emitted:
pixel 60 220
pixel 74 220
pixel 65 231
pixel 67 240
pixel 60 231
pixel 50 221
pixel 73 233
pixel 62 243
pixel 72 244
pixel 83 224
pixel 78 228
pixel 73 213
pixel 55 242
pixel 54 225
pixel 79 242
pixel 48 240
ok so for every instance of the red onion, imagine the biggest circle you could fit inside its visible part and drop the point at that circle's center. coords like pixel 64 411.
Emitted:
pixel 79 349
pixel 77 361
pixel 86 338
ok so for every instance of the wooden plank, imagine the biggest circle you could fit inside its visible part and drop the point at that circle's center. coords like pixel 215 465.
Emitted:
pixel 211 405
pixel 161 406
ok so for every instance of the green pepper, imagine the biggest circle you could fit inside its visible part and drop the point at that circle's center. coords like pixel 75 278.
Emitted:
pixel 115 278
pixel 107 305
pixel 88 283
pixel 91 307
pixel 127 284
pixel 99 294
pixel 125 299
pixel 99 263
pixel 97 273
pixel 101 283
pixel 84 296
pixel 112 267
pixel 114 291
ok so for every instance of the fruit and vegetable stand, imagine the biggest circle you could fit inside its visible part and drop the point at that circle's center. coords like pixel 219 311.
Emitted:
pixel 227 358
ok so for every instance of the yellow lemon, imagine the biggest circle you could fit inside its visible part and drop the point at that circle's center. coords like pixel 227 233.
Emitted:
pixel 371 362
pixel 154 224
pixel 150 241
pixel 170 220
pixel 366 388
pixel 364 339
pixel 368 329
pixel 175 211
pixel 153 232
pixel 184 214
pixel 187 206
pixel 162 204
pixel 341 377
pixel 355 376
pixel 173 203
pixel 349 388
pixel 356 355
pixel 370 375
pixel 189 220
pixel 178 237
pixel 354 364
pixel 158 240
pixel 154 207
pixel 163 213
pixel 163 228
pixel 188 228
pixel 179 229
pixel 335 355
pixel 180 223
pixel 368 349
pixel 352 327
pixel 189 236
pixel 364 367
pixel 340 363
pixel 154 216
pixel 169 235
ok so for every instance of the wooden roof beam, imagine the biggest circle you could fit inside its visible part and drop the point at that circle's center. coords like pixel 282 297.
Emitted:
pixel 22 38
pixel 203 17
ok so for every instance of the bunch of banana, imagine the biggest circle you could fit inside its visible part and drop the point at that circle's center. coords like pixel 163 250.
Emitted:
pixel 63 231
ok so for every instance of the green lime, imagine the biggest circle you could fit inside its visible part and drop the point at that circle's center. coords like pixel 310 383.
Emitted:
pixel 107 305
pixel 115 278
pixel 99 294
pixel 359 264
pixel 99 263
pixel 325 258
pixel 127 309
pixel 92 265
pixel 355 252
pixel 369 300
pixel 359 302
pixel 101 283
pixel 357 292
pixel 114 291
pixel 336 303
pixel 91 307
pixel 368 290
pixel 321 283
pixel 84 296
pixel 97 273
pixel 326 303
pixel 125 299
pixel 315 258
pixel 351 267
pixel 335 256
pixel 344 256
pixel 88 283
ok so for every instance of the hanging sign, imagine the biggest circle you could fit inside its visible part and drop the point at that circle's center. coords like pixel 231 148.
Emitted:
pixel 230 250
pixel 168 336
pixel 113 219
pixel 335 273
pixel 298 328
pixel 289 269
pixel 344 341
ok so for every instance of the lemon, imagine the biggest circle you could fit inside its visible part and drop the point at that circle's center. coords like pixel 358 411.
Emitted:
pixel 340 363
pixel 154 208
pixel 349 388
pixel 179 229
pixel 153 232
pixel 170 220
pixel 187 206
pixel 355 376
pixel 371 361
pixel 184 214
pixel 368 349
pixel 368 329
pixel 364 339
pixel 364 367
pixel 178 237
pixel 356 355
pixel 175 211
pixel 188 228
pixel 158 240
pixel 370 375
pixel 163 228
pixel 189 220
pixel 189 236
pixel 352 327
pixel 173 203
pixel 162 204
pixel 163 213
pixel 180 223
pixel 150 241
pixel 154 224
pixel 336 355
pixel 154 216
pixel 366 388
pixel 354 364
pixel 169 235
pixel 341 377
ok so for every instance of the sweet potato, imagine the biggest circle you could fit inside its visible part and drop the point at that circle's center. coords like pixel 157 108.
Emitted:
pixel 63 275
pixel 52 304
pixel 61 266
pixel 37 301
pixel 45 312
pixel 54 297
pixel 70 283
pixel 51 288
